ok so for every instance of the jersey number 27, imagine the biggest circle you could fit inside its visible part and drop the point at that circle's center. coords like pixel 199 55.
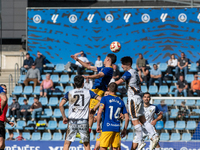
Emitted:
pixel 116 113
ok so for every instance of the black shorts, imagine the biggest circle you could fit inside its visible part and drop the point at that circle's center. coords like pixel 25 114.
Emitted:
pixel 2 129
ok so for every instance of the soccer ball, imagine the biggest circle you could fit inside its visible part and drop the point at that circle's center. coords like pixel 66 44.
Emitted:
pixel 115 46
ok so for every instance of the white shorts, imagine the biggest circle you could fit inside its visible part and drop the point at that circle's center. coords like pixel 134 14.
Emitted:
pixel 144 135
pixel 135 107
pixel 78 126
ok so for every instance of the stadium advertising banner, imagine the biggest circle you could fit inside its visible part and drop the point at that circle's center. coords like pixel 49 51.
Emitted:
pixel 154 32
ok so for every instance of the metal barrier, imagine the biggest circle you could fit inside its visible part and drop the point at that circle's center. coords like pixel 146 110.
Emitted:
pixel 10 84
pixel 16 73
pixel 21 59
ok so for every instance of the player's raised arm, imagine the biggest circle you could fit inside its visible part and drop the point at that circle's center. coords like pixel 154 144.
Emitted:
pixel 95 76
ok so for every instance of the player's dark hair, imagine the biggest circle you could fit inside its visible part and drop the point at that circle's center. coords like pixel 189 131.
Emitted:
pixel 147 93
pixel 113 87
pixel 113 58
pixel 126 60
pixel 78 81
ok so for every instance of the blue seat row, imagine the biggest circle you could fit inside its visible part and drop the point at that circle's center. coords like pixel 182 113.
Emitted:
pixel 175 137
pixel 177 102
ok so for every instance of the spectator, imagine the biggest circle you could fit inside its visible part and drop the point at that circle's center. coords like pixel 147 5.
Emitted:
pixel 195 86
pixel 182 65
pixel 35 108
pixel 198 66
pixel 116 73
pixel 33 74
pixel 14 108
pixel 77 65
pixel 23 110
pixel 39 61
pixel 98 62
pixel 140 62
pixel 172 64
pixel 46 86
pixel 183 111
pixel 10 137
pixel 163 107
pixel 182 86
pixel 88 84
pixel 155 75
pixel 27 63
pixel 20 137
pixel 144 74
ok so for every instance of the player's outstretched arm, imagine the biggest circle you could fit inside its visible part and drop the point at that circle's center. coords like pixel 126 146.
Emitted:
pixel 95 76
pixel 3 102
pixel 119 81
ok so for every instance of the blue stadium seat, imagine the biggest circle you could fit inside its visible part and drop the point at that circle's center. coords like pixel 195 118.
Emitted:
pixel 193 67
pixel 43 76
pixel 66 112
pixel 130 136
pixel 9 127
pixel 15 134
pixel 28 123
pixel 198 103
pixel 58 93
pixel 92 137
pixel 120 67
pixel 169 102
pixel 196 116
pixel 94 126
pixel 47 113
pixel 64 136
pixel 61 125
pixel 36 90
pixel 174 113
pixel 178 102
pixel 164 137
pixel 36 136
pixel 7 114
pixel 169 125
pixel 44 101
pixel 7 135
pixel 125 99
pixel 57 113
pixel 49 70
pixel 175 137
pixel 163 67
pixel 10 101
pixel 172 90
pixel 191 125
pixel 144 88
pixel 189 78
pixel 64 79
pixel 153 90
pixel 26 135
pixel 68 88
pixel 17 90
pixel 190 102
pixel 21 100
pixel 59 68
pixel 151 65
pixel 53 101
pixel 186 137
pixel 52 125
pixel 180 125
pixel 72 78
pixel 159 125
pixel 55 78
pixel 163 90
pixel 156 101
pixel 21 79
pixel 129 125
pixel 46 136
pixel 28 90
pixel 20 125
pixel 31 100
pixel 134 66
pixel 57 136
pixel 41 122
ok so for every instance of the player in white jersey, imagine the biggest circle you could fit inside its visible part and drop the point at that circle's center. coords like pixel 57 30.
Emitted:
pixel 149 112
pixel 78 114
pixel 135 103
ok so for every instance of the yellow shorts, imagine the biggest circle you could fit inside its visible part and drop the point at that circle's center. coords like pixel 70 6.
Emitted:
pixel 99 136
pixel 110 138
pixel 94 102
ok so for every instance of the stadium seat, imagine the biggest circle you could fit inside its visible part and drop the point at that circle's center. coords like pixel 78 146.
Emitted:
pixel 164 137
pixel 180 125
pixel 92 137
pixel 55 78
pixel 20 125
pixel 46 136
pixel 175 137
pixel 163 67
pixel 57 136
pixel 52 125
pixel 193 67
pixel 61 125
pixel 68 88
pixel 7 114
pixel 59 68
pixel 191 125
pixel 66 112
pixel 9 127
pixel 26 135
pixel 169 102
pixel 36 136
pixel 10 101
pixel 29 123
pixel 190 102
pixel 64 79
pixel 28 90
pixel 178 102
pixel 129 125
pixel 156 101
pixel 36 90
pixel 17 90
pixel 144 88
pixel 151 65
pixel 43 77
pixel 21 79
pixel 153 90
pixel 169 125
pixel 41 122
pixel 172 90
pixel 49 66
pixel 64 136
pixel 57 113
pixel 186 137
pixel 47 113
pixel 195 116
pixel 21 100
pixel 120 67
pixel 7 135
pixel 198 103
pixel 159 125
pixel 30 100
pixel 60 88
pixel 43 100
pixel 174 113
pixel 130 136
pixel 189 78
pixel 53 101
pixel 94 126
pixel 72 78
pixel 134 66
pixel 125 99
pixel 163 90
pixel 15 134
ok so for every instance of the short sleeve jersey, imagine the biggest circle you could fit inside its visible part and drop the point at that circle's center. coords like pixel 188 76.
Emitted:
pixel 103 82
pixel 79 100
pixel 113 106
pixel 3 115
pixel 150 111
pixel 182 84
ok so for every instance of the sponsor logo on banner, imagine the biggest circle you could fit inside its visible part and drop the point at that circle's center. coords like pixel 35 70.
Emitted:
pixel 182 17
pixel 37 18
pixel 163 17
pixel 145 18
pixel 109 18
pixel 90 17
pixel 72 18
pixel 126 17
pixel 79 147
pixel 27 147
pixel 54 17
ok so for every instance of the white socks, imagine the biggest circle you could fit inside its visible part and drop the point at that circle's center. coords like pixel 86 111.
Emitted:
pixel 138 131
